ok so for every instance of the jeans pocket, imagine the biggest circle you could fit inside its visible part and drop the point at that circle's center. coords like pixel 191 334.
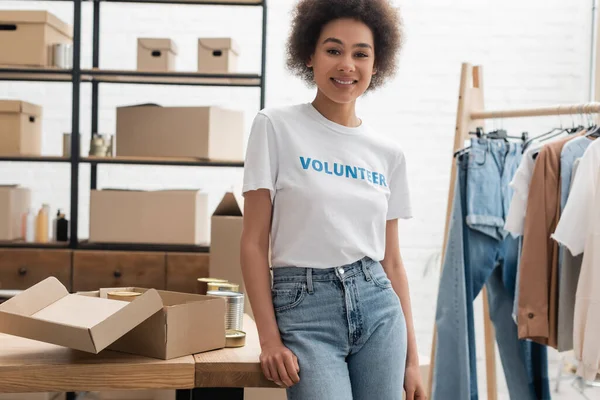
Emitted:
pixel 287 295
pixel 477 158
pixel 379 276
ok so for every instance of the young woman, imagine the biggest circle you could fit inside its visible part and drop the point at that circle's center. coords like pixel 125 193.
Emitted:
pixel 325 193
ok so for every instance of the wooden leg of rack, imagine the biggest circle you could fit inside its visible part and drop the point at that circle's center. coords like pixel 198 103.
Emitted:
pixel 490 350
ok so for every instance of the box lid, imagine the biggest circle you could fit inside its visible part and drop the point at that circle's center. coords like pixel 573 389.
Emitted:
pixel 232 204
pixel 18 106
pixel 219 44
pixel 48 313
pixel 158 44
pixel 36 17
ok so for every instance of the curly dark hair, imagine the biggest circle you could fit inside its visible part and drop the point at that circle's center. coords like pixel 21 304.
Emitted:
pixel 310 16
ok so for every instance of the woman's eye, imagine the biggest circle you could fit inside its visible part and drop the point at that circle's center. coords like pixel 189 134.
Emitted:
pixel 333 51
pixel 362 55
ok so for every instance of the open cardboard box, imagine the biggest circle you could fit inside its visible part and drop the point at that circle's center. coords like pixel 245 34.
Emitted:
pixel 185 324
pixel 47 312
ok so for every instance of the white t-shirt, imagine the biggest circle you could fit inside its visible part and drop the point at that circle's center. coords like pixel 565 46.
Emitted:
pixel 574 224
pixel 332 187
pixel 515 220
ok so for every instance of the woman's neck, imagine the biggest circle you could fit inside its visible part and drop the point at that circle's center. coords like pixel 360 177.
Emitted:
pixel 343 114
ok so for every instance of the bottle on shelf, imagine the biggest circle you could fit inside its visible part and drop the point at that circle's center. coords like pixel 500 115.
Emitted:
pixel 30 226
pixel 62 228
pixel 42 225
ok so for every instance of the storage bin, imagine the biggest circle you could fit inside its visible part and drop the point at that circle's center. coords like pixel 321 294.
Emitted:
pixel 156 55
pixel 159 217
pixel 14 202
pixel 197 132
pixel 26 37
pixel 217 55
pixel 20 128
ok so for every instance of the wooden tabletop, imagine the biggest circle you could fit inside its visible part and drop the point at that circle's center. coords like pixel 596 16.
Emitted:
pixel 233 367
pixel 32 366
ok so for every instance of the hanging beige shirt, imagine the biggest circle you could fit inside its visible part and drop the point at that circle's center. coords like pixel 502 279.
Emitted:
pixel 538 270
pixel 579 231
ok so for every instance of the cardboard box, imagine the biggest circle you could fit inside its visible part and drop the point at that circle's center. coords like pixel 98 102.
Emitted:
pixel 225 237
pixel 217 55
pixel 156 55
pixel 48 313
pixel 33 396
pixel 14 203
pixel 138 216
pixel 20 128
pixel 128 395
pixel 186 324
pixel 198 132
pixel 26 37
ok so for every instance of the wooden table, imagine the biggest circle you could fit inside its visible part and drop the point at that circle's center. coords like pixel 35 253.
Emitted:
pixel 32 366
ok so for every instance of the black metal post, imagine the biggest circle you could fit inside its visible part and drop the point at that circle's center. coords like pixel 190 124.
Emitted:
pixel 95 86
pixel 75 145
pixel 218 394
pixel 263 67
pixel 183 394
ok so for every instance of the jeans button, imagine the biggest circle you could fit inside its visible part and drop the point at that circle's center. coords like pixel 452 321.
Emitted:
pixel 341 271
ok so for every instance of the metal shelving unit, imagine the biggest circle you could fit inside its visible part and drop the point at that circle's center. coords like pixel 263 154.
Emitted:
pixel 96 76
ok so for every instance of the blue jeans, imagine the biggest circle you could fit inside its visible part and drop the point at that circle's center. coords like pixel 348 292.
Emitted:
pixel 480 252
pixel 347 328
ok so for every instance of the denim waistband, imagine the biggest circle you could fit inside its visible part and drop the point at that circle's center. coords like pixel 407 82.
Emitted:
pixel 303 274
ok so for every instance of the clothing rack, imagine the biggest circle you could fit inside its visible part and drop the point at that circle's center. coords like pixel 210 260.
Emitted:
pixel 471 115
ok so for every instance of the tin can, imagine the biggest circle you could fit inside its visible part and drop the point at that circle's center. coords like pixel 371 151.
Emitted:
pixel 235 338
pixel 234 310
pixel 203 283
pixel 62 55
pixel 123 295
pixel 226 286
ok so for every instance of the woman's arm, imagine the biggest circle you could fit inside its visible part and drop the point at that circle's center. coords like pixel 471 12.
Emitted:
pixel 279 364
pixel 394 268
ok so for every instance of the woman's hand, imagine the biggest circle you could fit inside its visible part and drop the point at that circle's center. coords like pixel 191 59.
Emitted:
pixel 279 364
pixel 412 383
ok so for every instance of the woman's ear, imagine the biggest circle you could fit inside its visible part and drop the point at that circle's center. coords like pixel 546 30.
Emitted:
pixel 309 62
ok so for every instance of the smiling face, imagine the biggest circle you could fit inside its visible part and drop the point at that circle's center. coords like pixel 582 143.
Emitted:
pixel 343 61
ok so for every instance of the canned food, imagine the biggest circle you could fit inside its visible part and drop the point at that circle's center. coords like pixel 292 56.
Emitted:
pixel 235 338
pixel 225 286
pixel 234 310
pixel 203 283
pixel 123 295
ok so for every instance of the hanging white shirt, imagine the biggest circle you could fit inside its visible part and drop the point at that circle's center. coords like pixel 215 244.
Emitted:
pixel 515 220
pixel 579 230
pixel 332 187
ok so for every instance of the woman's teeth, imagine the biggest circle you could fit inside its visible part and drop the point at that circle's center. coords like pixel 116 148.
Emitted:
pixel 343 82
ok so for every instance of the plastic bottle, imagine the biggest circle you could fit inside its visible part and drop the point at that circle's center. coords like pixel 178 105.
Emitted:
pixel 42 225
pixel 30 226
pixel 49 234
pixel 62 229
pixel 54 232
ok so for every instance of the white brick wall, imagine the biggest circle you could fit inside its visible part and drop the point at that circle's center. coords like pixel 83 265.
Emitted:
pixel 534 53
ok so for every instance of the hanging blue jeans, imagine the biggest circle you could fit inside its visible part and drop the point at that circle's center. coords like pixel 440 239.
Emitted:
pixel 479 252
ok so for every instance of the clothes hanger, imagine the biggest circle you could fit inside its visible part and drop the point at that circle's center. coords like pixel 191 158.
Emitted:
pixel 496 134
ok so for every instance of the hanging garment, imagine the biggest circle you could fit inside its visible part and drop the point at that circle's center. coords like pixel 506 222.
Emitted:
pixel 479 252
pixel 538 270
pixel 515 220
pixel 579 231
pixel 572 151
pixel 567 288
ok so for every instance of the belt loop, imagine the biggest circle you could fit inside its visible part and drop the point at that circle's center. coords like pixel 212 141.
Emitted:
pixel 366 270
pixel 309 281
